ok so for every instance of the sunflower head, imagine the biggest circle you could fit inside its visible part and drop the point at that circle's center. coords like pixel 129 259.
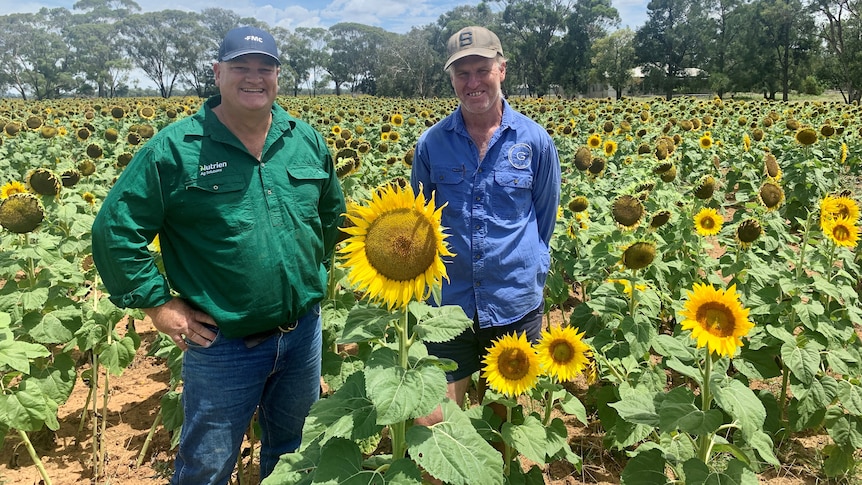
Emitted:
pixel 706 141
pixel 598 166
pixel 638 255
pixel 562 352
pixel 610 148
pixel 708 222
pixel 583 158
pixel 396 244
pixel 511 365
pixel 659 219
pixel 716 318
pixel 44 182
pixel 87 167
pixel 841 231
pixel 147 112
pixel 94 151
pixel 747 232
pixel 806 136
pixel 123 159
pixel 117 112
pixel 594 141
pixel 579 204
pixel 705 187
pixel 13 187
pixel 627 211
pixel 771 195
pixel 770 166
pixel 70 177
pixel 837 206
pixel 21 213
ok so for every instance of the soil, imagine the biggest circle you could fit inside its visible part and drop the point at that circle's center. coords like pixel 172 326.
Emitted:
pixel 67 454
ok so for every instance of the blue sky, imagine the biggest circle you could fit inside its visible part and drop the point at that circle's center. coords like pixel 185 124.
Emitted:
pixel 393 15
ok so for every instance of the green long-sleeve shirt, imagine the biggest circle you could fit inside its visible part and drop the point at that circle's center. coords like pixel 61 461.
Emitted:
pixel 242 240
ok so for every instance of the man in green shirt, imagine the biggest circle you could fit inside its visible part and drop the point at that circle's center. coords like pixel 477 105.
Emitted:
pixel 246 204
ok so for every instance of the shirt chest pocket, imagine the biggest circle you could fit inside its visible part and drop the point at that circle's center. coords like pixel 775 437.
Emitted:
pixel 306 185
pixel 217 201
pixel 512 196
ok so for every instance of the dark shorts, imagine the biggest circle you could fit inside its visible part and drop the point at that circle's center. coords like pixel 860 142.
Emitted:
pixel 469 348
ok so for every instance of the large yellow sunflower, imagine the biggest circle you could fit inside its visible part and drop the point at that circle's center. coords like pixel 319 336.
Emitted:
pixel 832 207
pixel 716 318
pixel 396 246
pixel 562 352
pixel 13 187
pixel 842 231
pixel 511 366
pixel 708 222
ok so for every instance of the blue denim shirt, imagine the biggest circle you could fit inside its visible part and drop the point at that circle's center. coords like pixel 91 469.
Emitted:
pixel 500 214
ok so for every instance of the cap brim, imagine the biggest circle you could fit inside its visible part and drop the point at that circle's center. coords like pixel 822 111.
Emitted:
pixel 475 51
pixel 233 55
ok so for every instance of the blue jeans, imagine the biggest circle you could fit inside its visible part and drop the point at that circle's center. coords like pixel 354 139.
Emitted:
pixel 225 383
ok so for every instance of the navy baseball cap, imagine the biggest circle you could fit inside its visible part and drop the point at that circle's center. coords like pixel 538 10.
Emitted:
pixel 247 40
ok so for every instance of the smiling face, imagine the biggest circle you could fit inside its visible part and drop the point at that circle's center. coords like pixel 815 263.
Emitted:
pixel 477 82
pixel 247 83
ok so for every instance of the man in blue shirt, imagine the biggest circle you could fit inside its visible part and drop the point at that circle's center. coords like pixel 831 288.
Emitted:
pixel 499 174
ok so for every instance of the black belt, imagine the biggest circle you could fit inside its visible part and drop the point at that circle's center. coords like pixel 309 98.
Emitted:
pixel 257 338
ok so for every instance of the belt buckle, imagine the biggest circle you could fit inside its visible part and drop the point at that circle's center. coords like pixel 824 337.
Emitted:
pixel 289 328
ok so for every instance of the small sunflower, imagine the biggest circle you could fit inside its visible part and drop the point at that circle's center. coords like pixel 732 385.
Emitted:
pixel 10 188
pixel 89 198
pixel 70 177
pixel 396 244
pixel 579 203
pixel 708 222
pixel 638 255
pixel 147 112
pixel 583 158
pixel 716 318
pixel 627 211
pixel 705 187
pixel 594 141
pixel 21 213
pixel 841 231
pixel 771 195
pixel 610 147
pixel 843 157
pixel 511 365
pixel 627 285
pixel 806 136
pixel 747 232
pixel 770 166
pixel 746 142
pixel 397 119
pixel 562 352
pixel 706 141
pixel 659 219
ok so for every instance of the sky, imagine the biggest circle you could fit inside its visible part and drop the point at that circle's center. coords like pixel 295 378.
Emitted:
pixel 392 15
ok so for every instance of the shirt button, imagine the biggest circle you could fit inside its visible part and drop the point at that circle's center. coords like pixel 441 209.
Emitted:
pixel 269 191
pixel 262 165
pixel 478 227
pixel 516 181
pixel 215 187
pixel 478 198
pixel 477 284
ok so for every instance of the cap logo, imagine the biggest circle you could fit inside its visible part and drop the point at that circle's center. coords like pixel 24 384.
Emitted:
pixel 254 38
pixel 465 39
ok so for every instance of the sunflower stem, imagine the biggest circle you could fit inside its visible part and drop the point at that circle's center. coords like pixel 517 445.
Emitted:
pixel 549 406
pixel 633 302
pixel 398 430
pixel 507 450
pixel 704 446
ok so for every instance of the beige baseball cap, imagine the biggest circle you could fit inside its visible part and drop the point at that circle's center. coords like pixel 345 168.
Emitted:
pixel 473 41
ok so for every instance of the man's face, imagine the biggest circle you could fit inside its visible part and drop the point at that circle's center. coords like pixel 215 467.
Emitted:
pixel 477 81
pixel 248 82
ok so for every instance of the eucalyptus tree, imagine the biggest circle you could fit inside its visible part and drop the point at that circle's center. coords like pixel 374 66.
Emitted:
pixel 614 59
pixel 536 27
pixel 414 68
pixel 35 56
pixel 93 36
pixel 670 44
pixel 842 33
pixel 313 45
pixel 722 48
pixel 589 21
pixel 787 29
pixel 161 44
pixel 356 55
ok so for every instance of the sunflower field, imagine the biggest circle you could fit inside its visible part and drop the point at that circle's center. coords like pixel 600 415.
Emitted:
pixel 703 305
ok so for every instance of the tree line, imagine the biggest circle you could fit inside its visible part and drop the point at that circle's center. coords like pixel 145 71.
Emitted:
pixel 555 47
